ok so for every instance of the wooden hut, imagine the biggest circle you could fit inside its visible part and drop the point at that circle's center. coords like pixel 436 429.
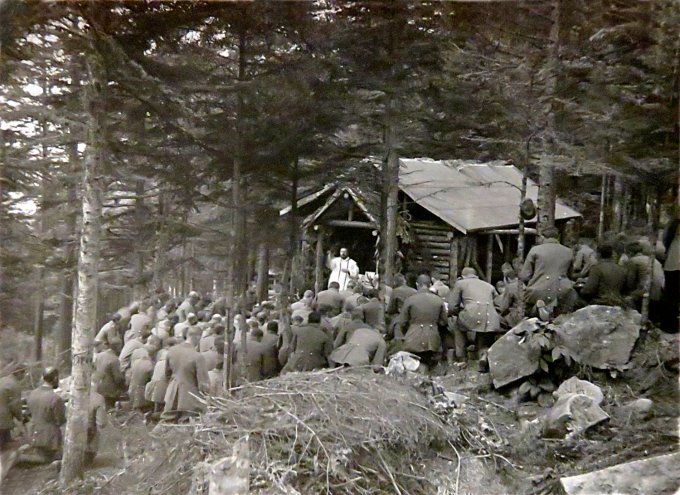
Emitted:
pixel 453 213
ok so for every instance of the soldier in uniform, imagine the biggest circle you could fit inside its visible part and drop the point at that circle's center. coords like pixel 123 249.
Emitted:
pixel 270 350
pixel 108 377
pixel 400 292
pixel 140 375
pixel 373 310
pixel 310 346
pixel 473 300
pixel 365 346
pixel 606 283
pixel 508 303
pixel 10 404
pixel 546 273
pixel 111 333
pixel 330 298
pixel 188 377
pixel 158 385
pixel 420 318
pixel 48 415
pixel 187 306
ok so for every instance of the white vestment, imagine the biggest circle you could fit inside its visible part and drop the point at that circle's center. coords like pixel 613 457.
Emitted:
pixel 337 265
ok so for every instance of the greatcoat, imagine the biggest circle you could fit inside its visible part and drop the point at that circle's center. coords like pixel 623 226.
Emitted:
pixel 10 402
pixel 420 317
pixel 475 297
pixel 365 346
pixel 48 415
pixel 310 347
pixel 107 374
pixel 546 271
pixel 188 378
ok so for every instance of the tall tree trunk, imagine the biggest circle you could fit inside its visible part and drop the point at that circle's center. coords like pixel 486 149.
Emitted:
pixel 183 269
pixel 546 183
pixel 39 293
pixel 139 286
pixel 521 239
pixel 66 300
pixel 546 198
pixel 75 438
pixel 262 272
pixel 238 267
pixel 625 207
pixel 617 204
pixel 162 244
pixel 652 221
pixel 3 211
pixel 390 175
pixel 603 205
pixel 293 235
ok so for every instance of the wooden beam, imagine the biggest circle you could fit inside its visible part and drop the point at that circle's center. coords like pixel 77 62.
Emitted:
pixel 527 230
pixel 432 238
pixel 453 260
pixel 350 223
pixel 429 226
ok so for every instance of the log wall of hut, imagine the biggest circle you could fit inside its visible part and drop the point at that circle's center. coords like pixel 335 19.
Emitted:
pixel 437 248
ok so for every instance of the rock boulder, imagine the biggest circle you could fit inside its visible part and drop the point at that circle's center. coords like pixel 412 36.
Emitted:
pixel 599 336
pixel 511 358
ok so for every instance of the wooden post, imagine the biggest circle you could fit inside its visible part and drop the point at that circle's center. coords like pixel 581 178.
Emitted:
pixel 474 257
pixel 318 271
pixel 468 250
pixel 453 260
pixel 489 257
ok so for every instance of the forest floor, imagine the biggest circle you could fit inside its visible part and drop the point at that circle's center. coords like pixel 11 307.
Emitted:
pixel 522 462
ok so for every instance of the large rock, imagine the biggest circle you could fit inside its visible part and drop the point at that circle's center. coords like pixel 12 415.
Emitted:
pixel 658 474
pixel 599 336
pixel 511 358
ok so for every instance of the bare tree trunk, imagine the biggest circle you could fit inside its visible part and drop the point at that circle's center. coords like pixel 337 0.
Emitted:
pixel 139 285
pixel 237 197
pixel 293 235
pixel 162 244
pixel 66 299
pixel 603 203
pixel 39 293
pixel 546 199
pixel 652 206
pixel 75 438
pixel 238 267
pixel 262 272
pixel 617 204
pixel 390 175
pixel 546 185
pixel 183 269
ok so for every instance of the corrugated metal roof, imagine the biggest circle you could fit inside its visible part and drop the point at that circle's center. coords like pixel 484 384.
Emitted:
pixel 469 196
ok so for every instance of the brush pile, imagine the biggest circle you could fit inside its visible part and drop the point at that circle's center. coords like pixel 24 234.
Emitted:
pixel 346 431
